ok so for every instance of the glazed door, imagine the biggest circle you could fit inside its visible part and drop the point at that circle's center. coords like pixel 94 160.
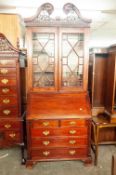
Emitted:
pixel 73 60
pixel 42 59
pixel 57 59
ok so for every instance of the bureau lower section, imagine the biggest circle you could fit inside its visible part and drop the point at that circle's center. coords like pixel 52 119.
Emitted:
pixel 60 139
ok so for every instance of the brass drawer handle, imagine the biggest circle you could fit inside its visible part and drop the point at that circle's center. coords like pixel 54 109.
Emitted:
pixel 4 71
pixel 4 81
pixel 72 131
pixel 3 62
pixel 72 152
pixel 72 123
pixel 6 112
pixel 46 153
pixel 5 90
pixel 7 126
pixel 12 135
pixel 46 123
pixel 6 101
pixel 72 141
pixel 46 143
pixel 46 133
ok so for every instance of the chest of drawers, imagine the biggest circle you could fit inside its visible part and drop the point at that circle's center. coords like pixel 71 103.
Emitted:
pixel 10 107
pixel 57 129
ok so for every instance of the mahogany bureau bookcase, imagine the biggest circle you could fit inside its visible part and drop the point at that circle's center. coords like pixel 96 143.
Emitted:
pixel 58 110
pixel 11 131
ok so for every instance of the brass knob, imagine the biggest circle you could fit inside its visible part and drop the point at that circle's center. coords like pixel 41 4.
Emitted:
pixel 46 123
pixel 12 135
pixel 46 133
pixel 7 126
pixel 6 112
pixel 72 131
pixel 4 71
pixel 5 90
pixel 72 123
pixel 6 101
pixel 46 143
pixel 4 81
pixel 72 141
pixel 46 153
pixel 72 152
pixel 3 62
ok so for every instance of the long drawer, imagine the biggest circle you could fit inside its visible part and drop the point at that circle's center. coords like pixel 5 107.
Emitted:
pixel 59 153
pixel 59 142
pixel 44 132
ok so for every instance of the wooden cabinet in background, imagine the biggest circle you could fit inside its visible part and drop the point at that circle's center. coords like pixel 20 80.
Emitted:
pixel 58 110
pixel 111 83
pixel 97 79
pixel 12 26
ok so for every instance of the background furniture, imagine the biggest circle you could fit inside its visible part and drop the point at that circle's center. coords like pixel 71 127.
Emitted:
pixel 58 110
pixel 110 103
pixel 11 131
pixel 97 79
pixel 12 26
pixel 101 123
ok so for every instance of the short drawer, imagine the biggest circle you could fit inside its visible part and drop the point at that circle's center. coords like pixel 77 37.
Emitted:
pixel 59 142
pixel 73 122
pixel 44 132
pixel 59 153
pixel 44 123
pixel 8 125
pixel 8 100
pixel 8 111
pixel 8 90
pixel 7 81
pixel 8 71
pixel 7 63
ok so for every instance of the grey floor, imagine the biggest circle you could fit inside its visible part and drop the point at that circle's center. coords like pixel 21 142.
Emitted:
pixel 10 164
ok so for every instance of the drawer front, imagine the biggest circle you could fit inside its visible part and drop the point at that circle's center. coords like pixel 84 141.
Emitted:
pixel 7 81
pixel 44 132
pixel 59 142
pixel 8 125
pixel 59 153
pixel 8 100
pixel 73 122
pixel 8 90
pixel 44 123
pixel 13 135
pixel 9 138
pixel 7 63
pixel 7 71
pixel 9 112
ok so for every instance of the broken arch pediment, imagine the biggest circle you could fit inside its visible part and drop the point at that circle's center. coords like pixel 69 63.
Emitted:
pixel 71 17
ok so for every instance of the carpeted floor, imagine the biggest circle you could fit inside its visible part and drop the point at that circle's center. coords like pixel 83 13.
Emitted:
pixel 10 164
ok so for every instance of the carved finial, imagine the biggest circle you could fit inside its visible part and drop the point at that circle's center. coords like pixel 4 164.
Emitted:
pixel 47 7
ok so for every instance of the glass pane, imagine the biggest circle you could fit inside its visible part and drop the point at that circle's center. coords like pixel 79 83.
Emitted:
pixel 43 59
pixel 72 60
